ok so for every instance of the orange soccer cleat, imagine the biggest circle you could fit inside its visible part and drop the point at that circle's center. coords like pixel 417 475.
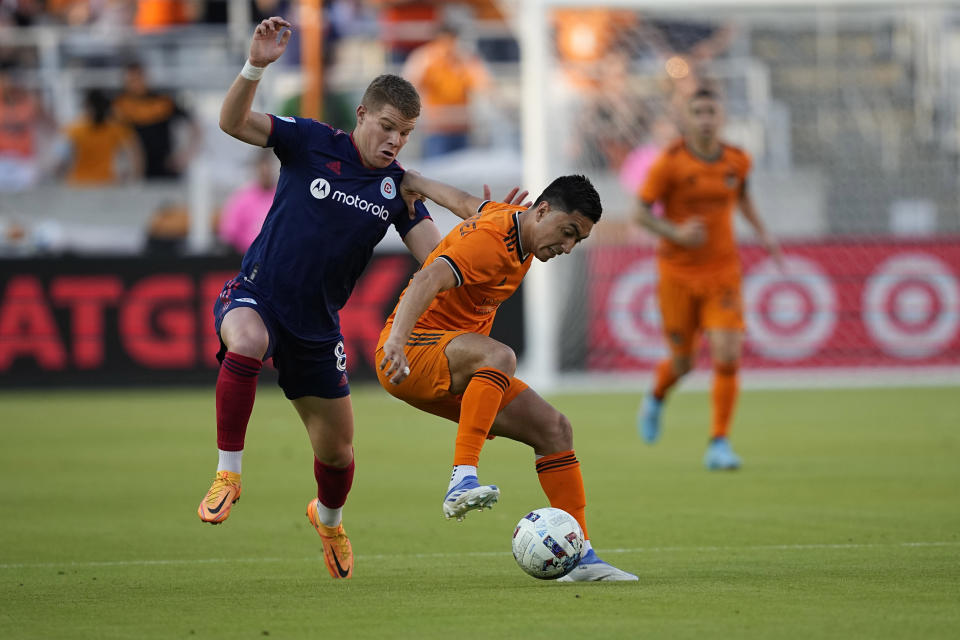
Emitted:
pixel 337 551
pixel 215 506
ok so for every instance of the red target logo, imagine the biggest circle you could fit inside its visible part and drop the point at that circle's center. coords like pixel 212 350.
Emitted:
pixel 910 305
pixel 633 312
pixel 790 315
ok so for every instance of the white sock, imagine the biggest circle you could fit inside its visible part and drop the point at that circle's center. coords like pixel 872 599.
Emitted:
pixel 460 471
pixel 230 461
pixel 329 517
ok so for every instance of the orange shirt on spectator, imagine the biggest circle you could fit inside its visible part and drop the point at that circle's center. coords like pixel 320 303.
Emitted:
pixel 445 78
pixel 584 37
pixel 154 15
pixel 95 148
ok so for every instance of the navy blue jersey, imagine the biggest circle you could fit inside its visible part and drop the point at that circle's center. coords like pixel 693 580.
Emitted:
pixel 328 214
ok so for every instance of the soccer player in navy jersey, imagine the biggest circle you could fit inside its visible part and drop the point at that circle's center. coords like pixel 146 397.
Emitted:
pixel 337 195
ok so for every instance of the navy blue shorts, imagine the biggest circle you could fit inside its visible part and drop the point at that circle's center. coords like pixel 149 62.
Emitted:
pixel 306 367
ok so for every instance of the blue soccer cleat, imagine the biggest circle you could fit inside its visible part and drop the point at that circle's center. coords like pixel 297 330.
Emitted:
pixel 720 456
pixel 467 496
pixel 648 418
pixel 593 569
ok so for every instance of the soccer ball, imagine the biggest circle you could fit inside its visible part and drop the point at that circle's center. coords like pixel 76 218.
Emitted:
pixel 547 543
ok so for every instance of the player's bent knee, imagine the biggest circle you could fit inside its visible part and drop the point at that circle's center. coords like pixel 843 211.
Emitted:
pixel 338 458
pixel 681 365
pixel 243 332
pixel 251 345
pixel 727 368
pixel 555 434
pixel 502 358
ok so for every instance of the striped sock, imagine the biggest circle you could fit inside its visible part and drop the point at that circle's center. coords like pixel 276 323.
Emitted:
pixel 333 485
pixel 478 410
pixel 559 475
pixel 236 390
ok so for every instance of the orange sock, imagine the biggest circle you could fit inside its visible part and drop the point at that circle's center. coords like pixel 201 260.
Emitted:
pixel 725 389
pixel 478 409
pixel 665 378
pixel 559 475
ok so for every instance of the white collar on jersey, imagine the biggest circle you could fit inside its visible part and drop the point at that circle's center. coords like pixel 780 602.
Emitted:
pixel 516 223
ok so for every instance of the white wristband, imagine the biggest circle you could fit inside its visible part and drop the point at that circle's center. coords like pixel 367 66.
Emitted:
pixel 251 72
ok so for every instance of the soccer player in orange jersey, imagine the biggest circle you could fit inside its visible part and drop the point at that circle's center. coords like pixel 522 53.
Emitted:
pixel 436 354
pixel 699 180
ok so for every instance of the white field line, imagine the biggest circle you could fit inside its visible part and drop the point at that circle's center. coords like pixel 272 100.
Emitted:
pixel 470 554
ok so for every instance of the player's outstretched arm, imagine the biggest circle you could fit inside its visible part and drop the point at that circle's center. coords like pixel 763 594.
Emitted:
pixel 461 203
pixel 425 236
pixel 691 233
pixel 424 287
pixel 750 214
pixel 269 42
pixel 423 239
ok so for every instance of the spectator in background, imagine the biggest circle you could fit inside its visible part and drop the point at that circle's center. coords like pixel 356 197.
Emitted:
pixel 20 120
pixel 447 78
pixel 168 229
pixel 263 9
pixel 157 15
pixel 153 116
pixel 21 13
pixel 245 210
pixel 99 146
pixel 402 26
pixel 585 37
pixel 97 13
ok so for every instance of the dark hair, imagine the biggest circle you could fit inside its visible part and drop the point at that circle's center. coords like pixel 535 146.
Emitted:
pixel 448 29
pixel 99 105
pixel 708 93
pixel 395 91
pixel 573 194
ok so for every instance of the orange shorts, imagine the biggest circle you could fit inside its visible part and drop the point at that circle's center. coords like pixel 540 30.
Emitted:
pixel 428 386
pixel 688 306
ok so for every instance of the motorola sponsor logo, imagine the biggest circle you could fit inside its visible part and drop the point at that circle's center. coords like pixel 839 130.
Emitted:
pixel 320 189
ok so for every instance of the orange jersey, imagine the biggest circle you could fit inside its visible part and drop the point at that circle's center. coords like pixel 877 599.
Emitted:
pixel 689 186
pixel 94 149
pixel 485 255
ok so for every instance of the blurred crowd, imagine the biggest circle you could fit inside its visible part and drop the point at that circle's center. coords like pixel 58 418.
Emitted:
pixel 145 131
pixel 119 138
pixel 142 14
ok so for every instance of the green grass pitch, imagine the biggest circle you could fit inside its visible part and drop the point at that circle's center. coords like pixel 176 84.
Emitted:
pixel 843 523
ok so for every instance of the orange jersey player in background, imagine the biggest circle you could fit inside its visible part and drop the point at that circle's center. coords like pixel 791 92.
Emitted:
pixel 436 354
pixel 700 180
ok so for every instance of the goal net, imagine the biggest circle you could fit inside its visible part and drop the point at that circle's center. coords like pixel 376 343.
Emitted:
pixel 850 113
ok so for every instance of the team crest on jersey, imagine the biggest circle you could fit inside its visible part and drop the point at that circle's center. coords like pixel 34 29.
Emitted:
pixel 388 189
pixel 319 188
pixel 731 180
pixel 286 118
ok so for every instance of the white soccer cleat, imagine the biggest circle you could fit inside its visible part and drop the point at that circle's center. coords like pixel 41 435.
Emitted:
pixel 593 569
pixel 467 496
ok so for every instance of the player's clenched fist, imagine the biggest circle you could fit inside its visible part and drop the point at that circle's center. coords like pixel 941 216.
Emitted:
pixel 691 233
pixel 266 46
